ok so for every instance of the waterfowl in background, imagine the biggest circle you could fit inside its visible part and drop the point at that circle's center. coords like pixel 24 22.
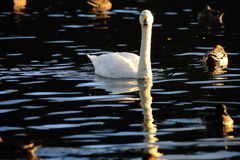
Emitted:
pixel 17 149
pixel 128 65
pixel 220 117
pixel 215 57
pixel 210 18
pixel 210 15
pixel 100 5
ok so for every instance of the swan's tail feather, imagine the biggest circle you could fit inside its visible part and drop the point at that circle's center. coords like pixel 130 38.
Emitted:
pixel 93 58
pixel 90 56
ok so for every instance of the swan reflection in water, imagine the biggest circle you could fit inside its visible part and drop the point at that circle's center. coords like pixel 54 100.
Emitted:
pixel 117 86
pixel 148 126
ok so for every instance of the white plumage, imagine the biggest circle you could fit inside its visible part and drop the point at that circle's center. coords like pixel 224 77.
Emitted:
pixel 128 65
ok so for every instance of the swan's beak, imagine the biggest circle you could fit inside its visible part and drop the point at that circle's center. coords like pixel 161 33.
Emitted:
pixel 145 20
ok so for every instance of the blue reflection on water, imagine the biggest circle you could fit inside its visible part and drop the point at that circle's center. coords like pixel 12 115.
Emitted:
pixel 14 101
pixel 20 37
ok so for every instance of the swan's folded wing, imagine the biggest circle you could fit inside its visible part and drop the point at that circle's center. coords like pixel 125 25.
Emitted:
pixel 115 66
pixel 131 57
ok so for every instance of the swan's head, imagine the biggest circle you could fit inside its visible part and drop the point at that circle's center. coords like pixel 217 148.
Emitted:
pixel 146 18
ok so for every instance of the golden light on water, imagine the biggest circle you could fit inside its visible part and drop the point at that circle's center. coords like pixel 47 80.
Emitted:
pixel 218 84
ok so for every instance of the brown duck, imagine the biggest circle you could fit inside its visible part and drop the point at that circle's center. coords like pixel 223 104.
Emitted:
pixel 220 117
pixel 210 15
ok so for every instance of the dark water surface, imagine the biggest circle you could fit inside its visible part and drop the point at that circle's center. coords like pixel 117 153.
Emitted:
pixel 49 93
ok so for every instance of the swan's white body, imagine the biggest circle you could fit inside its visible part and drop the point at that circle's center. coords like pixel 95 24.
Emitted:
pixel 128 65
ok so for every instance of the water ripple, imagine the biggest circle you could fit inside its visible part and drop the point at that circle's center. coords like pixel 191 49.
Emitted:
pixel 50 93
pixel 64 112
pixel 126 133
pixel 77 26
pixel 7 110
pixel 56 15
pixel 87 15
pixel 33 107
pixel 14 101
pixel 171 92
pixel 104 105
pixel 8 91
pixel 219 87
pixel 126 11
pixel 227 75
pixel 60 126
pixel 212 155
pixel 8 128
pixel 20 37
pixel 170 13
pixel 83 98
pixel 212 81
pixel 90 118
pixel 14 54
pixel 182 129
pixel 62 41
pixel 31 118
pixel 216 102
pixel 190 54
pixel 84 136
pixel 13 77
pixel 33 82
pixel 170 80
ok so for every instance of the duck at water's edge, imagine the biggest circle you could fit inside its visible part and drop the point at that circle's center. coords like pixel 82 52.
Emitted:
pixel 220 117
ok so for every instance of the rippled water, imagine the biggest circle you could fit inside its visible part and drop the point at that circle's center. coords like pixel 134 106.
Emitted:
pixel 49 93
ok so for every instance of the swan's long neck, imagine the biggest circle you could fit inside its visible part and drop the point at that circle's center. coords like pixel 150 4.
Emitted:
pixel 144 66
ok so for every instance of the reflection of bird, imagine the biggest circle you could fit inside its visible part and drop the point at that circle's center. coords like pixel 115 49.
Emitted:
pixel 220 117
pixel 210 15
pixel 116 86
pixel 19 5
pixel 99 8
pixel 17 148
pixel 128 65
pixel 219 123
pixel 100 5
pixel 148 126
pixel 216 57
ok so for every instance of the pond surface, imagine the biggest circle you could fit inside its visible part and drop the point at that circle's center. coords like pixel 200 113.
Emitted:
pixel 50 94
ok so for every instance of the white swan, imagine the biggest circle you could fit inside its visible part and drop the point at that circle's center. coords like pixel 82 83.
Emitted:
pixel 128 65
